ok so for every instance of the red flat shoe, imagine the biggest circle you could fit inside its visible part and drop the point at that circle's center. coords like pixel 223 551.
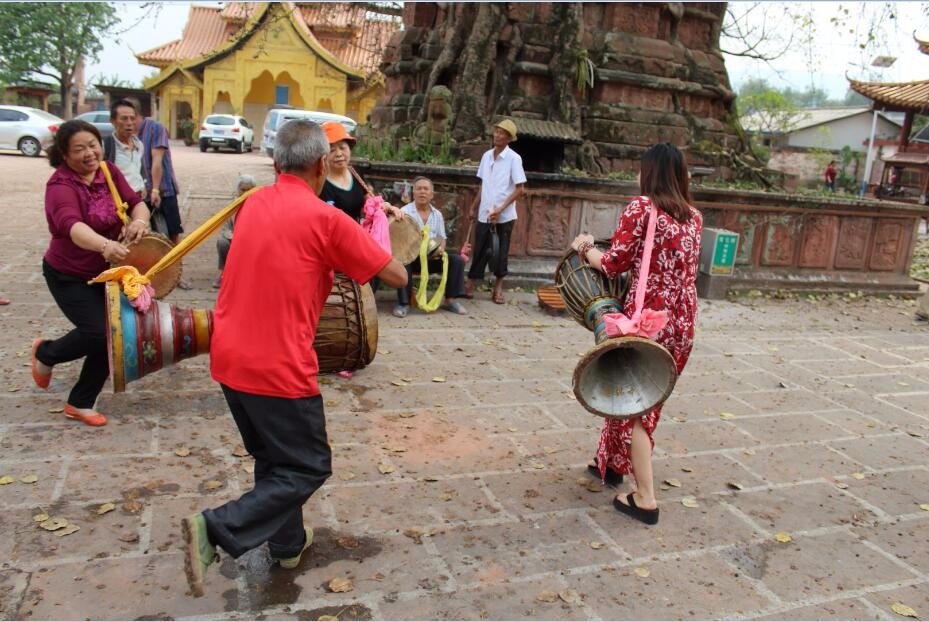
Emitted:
pixel 41 380
pixel 96 419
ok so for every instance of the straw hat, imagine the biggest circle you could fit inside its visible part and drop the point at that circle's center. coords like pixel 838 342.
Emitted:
pixel 507 126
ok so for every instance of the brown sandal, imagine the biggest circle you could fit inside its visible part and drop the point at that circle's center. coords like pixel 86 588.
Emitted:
pixel 498 297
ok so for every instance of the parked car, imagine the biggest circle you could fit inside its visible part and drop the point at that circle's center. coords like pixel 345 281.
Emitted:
pixel 226 130
pixel 277 116
pixel 28 129
pixel 100 119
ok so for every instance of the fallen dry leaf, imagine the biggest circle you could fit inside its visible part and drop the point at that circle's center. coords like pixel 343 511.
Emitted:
pixel 327 618
pixel 687 470
pixel 398 383
pixel 29 479
pixel 340 584
pixel 446 496
pixel 132 506
pixel 689 502
pixel 537 465
pixel 213 484
pixel 642 572
pixel 857 476
pixel 54 523
pixel 734 485
pixel 430 478
pixel 673 482
pixel 40 518
pixel 546 596
pixel 914 434
pixel 415 534
pixel 347 476
pixel 182 451
pixel 593 486
pixel 782 537
pixel 596 545
pixel 726 416
pixel 749 452
pixel 902 610
pixel 407 415
pixel 570 596
pixel 67 531
pixel 56 410
pixel 386 468
pixel 841 485
pixel 129 536
pixel 239 451
pixel 348 542
pixel 106 507
pixel 438 379
pixel 512 429
pixel 924 506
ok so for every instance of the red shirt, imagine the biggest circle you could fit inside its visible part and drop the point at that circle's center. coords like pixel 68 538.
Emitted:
pixel 277 277
pixel 68 201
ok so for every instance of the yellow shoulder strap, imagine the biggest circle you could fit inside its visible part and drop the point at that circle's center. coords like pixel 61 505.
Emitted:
pixel 121 206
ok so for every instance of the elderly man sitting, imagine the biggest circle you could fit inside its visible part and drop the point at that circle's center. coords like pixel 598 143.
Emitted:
pixel 423 213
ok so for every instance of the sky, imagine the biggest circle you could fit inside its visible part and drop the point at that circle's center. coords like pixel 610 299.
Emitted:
pixel 834 51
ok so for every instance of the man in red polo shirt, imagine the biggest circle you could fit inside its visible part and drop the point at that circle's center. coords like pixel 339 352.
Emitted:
pixel 278 274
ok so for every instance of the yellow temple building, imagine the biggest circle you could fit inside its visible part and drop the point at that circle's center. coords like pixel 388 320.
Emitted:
pixel 248 57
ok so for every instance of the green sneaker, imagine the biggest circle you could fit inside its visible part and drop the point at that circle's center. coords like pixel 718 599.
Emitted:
pixel 198 552
pixel 293 562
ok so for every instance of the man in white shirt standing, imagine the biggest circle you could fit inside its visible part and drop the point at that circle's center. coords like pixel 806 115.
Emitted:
pixel 123 148
pixel 502 183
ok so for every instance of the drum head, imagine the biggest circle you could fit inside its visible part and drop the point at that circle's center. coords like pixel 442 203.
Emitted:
pixel 146 253
pixel 404 239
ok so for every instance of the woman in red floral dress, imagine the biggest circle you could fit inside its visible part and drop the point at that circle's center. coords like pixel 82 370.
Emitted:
pixel 626 444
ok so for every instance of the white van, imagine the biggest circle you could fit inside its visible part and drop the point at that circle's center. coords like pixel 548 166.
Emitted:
pixel 277 116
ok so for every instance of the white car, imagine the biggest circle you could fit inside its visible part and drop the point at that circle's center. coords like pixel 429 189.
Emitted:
pixel 276 117
pixel 100 119
pixel 226 130
pixel 28 129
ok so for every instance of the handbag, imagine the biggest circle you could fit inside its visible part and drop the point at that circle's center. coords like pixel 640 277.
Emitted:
pixel 644 322
pixel 158 222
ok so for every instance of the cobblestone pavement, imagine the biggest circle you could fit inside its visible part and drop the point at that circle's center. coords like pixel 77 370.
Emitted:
pixel 467 498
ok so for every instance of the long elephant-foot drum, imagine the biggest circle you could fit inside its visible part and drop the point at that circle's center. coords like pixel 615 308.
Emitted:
pixel 346 337
pixel 620 377
pixel 142 343
pixel 146 253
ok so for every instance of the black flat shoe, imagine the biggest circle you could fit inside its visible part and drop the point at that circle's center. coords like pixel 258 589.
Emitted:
pixel 649 517
pixel 612 477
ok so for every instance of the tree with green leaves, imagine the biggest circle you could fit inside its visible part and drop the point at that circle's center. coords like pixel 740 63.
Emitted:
pixel 51 39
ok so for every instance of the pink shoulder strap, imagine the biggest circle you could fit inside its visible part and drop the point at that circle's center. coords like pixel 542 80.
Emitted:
pixel 646 258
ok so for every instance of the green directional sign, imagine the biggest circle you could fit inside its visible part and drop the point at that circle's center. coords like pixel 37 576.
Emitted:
pixel 717 251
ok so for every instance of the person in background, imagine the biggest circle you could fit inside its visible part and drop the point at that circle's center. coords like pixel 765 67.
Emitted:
pixel 160 180
pixel 287 244
pixel 87 236
pixel 424 213
pixel 626 444
pixel 123 148
pixel 503 181
pixel 829 175
pixel 242 185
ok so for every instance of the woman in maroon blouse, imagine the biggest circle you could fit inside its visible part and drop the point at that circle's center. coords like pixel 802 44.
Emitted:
pixel 87 235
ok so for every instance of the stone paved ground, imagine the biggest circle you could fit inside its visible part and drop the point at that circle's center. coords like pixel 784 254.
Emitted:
pixel 487 511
